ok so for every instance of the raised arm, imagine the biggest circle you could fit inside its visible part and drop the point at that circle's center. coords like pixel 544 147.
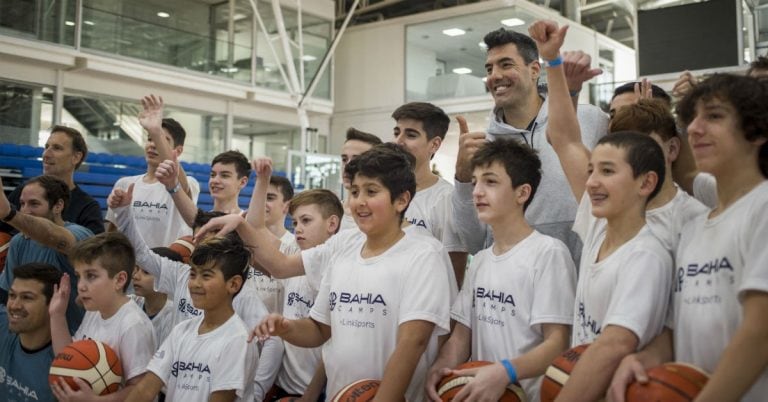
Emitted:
pixel 41 230
pixel 563 130
pixel 167 173
pixel 256 215
pixel 57 311
pixel 151 118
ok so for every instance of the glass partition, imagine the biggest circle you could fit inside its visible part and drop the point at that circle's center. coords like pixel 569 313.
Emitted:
pixel 26 110
pixel 46 20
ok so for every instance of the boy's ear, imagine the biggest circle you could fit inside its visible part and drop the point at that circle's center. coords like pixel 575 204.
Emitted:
pixel 523 193
pixel 120 280
pixel 402 201
pixel 243 182
pixel 648 184
pixel 673 148
pixel 58 207
pixel 333 223
pixel 434 144
pixel 234 284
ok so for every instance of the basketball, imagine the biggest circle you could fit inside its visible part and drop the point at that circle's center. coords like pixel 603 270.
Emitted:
pixel 670 382
pixel 558 372
pixel 451 385
pixel 5 243
pixel 91 361
pixel 288 399
pixel 358 391
pixel 184 246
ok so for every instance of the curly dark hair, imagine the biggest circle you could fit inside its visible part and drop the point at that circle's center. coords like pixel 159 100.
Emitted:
pixel 761 63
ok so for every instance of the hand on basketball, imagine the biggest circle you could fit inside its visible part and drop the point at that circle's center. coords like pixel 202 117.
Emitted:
pixel 64 393
pixel 434 376
pixel 60 298
pixel 489 383
pixel 262 167
pixel 273 325
pixel 167 172
pixel 219 226
pixel 120 198
pixel 629 371
pixel 469 143
pixel 549 37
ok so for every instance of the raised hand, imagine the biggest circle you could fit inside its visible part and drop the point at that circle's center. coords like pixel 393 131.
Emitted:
pixel 273 325
pixel 684 84
pixel 469 143
pixel 60 298
pixel 167 172
pixel 549 37
pixel 120 198
pixel 577 66
pixel 262 167
pixel 151 117
pixel 643 89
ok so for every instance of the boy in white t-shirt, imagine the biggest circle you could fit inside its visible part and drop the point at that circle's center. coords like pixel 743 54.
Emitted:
pixel 157 305
pixel 207 358
pixel 420 128
pixel 385 295
pixel 103 265
pixel 516 305
pixel 355 144
pixel 721 281
pixel 625 271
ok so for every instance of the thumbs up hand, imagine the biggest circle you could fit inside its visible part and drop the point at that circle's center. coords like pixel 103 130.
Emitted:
pixel 469 143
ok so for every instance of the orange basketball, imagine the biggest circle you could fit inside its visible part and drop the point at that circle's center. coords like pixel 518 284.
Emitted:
pixel 93 362
pixel 558 372
pixel 5 243
pixel 358 391
pixel 184 246
pixel 450 385
pixel 288 399
pixel 670 382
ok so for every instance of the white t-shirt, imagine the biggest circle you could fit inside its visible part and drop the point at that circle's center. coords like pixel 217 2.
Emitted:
pixel 364 301
pixel 194 366
pixel 506 298
pixel 128 332
pixel 154 210
pixel 431 209
pixel 718 260
pixel 162 321
pixel 705 189
pixel 667 221
pixel 630 288
pixel 268 288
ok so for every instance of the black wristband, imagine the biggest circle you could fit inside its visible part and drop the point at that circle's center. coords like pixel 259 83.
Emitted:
pixel 10 214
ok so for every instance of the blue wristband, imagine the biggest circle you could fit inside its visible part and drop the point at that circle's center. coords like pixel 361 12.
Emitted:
pixel 511 373
pixel 554 62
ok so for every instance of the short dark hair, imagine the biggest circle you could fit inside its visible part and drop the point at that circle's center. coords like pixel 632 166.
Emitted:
pixel 646 116
pixel 175 130
pixel 520 161
pixel 203 217
pixel 327 202
pixel 226 253
pixel 390 164
pixel 55 189
pixel 168 253
pixel 237 158
pixel 434 119
pixel 526 47
pixel 643 154
pixel 656 92
pixel 112 250
pixel 357 135
pixel 78 142
pixel 44 273
pixel 283 185
pixel 760 63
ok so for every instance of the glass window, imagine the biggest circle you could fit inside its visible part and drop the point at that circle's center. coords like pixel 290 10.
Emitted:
pixel 46 20
pixel 260 138
pixel 26 111
pixel 445 58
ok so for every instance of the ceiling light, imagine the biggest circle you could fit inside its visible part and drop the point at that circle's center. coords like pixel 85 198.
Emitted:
pixel 88 23
pixel 308 57
pixel 163 14
pixel 513 22
pixel 229 70
pixel 69 23
pixel 482 45
pixel 454 32
pixel 462 70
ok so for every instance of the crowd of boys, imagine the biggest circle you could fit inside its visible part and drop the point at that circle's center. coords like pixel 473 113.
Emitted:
pixel 632 232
